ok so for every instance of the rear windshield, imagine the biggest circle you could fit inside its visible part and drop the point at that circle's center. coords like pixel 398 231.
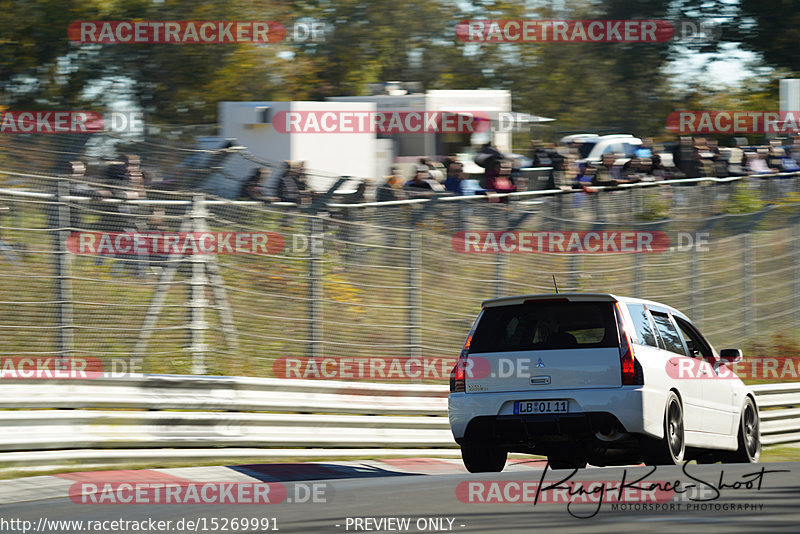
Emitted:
pixel 546 325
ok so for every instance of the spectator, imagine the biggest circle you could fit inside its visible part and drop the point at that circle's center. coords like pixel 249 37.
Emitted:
pixel 685 158
pixel 301 176
pixel 500 182
pixel 80 186
pixel 126 183
pixel 559 174
pixel 757 162
pixel 471 186
pixel 779 160
pixel 719 159
pixel 487 156
pixel 391 189
pixel 659 171
pixel 704 157
pixel 636 170
pixel 421 179
pixel 491 172
pixel 734 162
pixel 423 182
pixel 794 150
pixel 449 160
pixel 455 173
pixel 645 150
pixel 436 170
pixel 556 157
pixel 282 186
pixel 540 156
pixel 585 175
pixel 608 173
pixel 253 187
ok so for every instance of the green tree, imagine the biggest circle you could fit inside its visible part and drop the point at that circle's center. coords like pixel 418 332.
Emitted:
pixel 39 67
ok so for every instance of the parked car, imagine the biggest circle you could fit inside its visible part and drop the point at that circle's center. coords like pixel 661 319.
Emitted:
pixel 600 379
pixel 583 142
pixel 623 144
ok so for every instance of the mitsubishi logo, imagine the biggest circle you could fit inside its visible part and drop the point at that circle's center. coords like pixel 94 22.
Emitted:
pixel 539 364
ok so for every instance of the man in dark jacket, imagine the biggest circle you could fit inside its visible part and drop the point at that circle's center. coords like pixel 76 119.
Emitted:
pixel 282 185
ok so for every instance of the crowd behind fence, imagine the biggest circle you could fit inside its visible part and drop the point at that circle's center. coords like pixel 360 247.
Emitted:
pixel 371 279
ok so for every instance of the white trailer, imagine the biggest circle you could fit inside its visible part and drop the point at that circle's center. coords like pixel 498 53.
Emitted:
pixel 327 155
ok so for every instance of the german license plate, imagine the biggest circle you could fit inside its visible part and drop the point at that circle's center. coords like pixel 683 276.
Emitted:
pixel 541 406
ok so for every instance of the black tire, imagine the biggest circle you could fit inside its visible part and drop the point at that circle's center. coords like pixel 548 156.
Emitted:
pixel 671 449
pixel 561 461
pixel 749 450
pixel 481 457
pixel 708 457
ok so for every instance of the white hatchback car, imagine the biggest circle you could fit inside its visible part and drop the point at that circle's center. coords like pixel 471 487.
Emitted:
pixel 596 378
pixel 623 144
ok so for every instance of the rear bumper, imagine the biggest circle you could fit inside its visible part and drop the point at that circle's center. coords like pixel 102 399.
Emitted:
pixel 624 408
pixel 520 433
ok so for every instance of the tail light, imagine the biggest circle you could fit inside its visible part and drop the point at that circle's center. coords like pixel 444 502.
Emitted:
pixel 458 374
pixel 630 369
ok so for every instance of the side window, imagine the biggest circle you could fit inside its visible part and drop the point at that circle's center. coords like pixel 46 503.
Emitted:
pixel 645 334
pixel 698 347
pixel 669 334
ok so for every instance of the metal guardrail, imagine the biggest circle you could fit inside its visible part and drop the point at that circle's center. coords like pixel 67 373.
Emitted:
pixel 190 412
pixel 438 198
pixel 779 408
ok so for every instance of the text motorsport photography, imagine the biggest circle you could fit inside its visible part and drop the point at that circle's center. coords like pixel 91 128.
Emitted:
pixel 647 492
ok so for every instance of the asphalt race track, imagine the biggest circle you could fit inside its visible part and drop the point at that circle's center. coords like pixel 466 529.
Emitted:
pixel 716 498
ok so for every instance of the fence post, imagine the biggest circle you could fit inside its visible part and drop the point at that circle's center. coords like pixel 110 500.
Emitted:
pixel 695 294
pixel 315 288
pixel 632 200
pixel 747 276
pixel 414 292
pixel 796 272
pixel 198 302
pixel 66 340
pixel 597 207
pixel 500 261
pixel 573 277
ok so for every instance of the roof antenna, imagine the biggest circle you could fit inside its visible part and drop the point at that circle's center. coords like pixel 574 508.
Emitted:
pixel 555 283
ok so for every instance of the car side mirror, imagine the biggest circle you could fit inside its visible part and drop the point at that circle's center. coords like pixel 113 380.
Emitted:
pixel 731 355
